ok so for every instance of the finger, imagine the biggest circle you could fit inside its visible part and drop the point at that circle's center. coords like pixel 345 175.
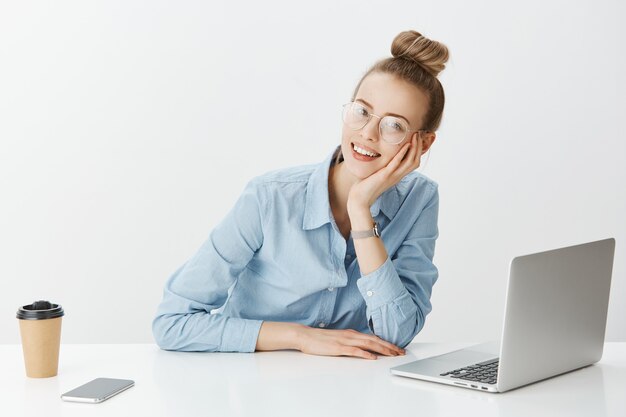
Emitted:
pixel 359 353
pixel 397 159
pixel 376 346
pixel 388 347
pixel 377 339
pixel 420 144
pixel 415 157
pixel 403 166
pixel 373 346
pixel 388 344
pixel 420 147
pixel 415 149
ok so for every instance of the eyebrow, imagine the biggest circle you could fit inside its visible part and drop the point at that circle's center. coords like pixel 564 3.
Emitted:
pixel 390 114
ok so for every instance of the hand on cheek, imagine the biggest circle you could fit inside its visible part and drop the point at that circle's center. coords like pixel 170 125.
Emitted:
pixel 411 153
pixel 363 194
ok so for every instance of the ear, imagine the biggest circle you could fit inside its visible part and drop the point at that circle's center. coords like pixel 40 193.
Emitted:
pixel 427 140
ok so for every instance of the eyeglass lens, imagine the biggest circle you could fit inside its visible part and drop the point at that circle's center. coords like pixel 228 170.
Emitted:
pixel 392 129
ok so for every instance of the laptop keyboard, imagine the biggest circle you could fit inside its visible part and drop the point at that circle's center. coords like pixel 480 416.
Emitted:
pixel 485 372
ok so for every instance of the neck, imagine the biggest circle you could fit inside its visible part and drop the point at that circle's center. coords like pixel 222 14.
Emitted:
pixel 340 181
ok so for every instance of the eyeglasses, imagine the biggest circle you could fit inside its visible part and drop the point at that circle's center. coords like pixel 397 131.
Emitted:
pixel 392 129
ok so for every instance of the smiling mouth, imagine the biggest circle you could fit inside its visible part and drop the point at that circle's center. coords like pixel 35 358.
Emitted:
pixel 363 152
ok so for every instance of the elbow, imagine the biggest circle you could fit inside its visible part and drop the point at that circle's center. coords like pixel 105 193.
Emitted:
pixel 400 334
pixel 182 332
pixel 408 337
pixel 411 329
pixel 163 331
pixel 420 320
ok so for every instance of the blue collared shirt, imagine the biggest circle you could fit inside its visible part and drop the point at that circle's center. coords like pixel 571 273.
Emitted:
pixel 278 255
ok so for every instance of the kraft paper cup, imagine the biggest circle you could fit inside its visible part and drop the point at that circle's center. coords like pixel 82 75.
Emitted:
pixel 40 329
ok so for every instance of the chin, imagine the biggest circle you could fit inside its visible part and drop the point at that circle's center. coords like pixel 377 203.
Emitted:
pixel 359 169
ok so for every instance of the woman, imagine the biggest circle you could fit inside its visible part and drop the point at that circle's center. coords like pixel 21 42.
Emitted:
pixel 332 258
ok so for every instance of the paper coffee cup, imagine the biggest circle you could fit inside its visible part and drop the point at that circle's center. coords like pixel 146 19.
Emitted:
pixel 40 328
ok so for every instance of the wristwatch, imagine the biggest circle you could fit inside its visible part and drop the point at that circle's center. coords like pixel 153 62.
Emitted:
pixel 365 233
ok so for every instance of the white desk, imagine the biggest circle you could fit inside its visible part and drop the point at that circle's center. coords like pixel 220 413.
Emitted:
pixel 290 383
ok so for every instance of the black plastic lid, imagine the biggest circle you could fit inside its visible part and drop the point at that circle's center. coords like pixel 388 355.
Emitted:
pixel 40 310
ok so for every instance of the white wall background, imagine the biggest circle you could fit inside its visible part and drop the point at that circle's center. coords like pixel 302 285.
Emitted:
pixel 129 128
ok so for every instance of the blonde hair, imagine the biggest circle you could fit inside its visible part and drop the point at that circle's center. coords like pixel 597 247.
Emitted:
pixel 417 60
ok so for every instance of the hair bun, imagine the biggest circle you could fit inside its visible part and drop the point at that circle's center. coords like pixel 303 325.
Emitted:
pixel 411 45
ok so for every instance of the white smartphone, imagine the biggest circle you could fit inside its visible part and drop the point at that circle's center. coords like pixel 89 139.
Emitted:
pixel 98 390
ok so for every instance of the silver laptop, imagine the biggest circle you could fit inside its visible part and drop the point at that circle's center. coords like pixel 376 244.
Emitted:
pixel 554 322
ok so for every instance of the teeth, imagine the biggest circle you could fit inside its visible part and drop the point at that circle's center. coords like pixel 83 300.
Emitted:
pixel 363 151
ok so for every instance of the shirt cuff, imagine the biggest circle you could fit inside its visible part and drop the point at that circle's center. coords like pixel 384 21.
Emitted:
pixel 381 286
pixel 240 335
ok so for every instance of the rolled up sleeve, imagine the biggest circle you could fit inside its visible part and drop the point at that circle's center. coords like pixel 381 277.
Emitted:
pixel 397 294
pixel 184 320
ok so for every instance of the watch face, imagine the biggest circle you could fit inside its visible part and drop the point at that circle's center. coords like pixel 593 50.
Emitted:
pixel 376 233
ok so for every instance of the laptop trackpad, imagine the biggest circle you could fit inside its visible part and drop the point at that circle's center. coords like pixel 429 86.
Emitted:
pixel 469 355
pixel 463 358
pixel 447 362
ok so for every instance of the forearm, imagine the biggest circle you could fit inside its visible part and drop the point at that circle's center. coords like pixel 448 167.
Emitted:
pixel 278 335
pixel 393 314
pixel 397 322
pixel 370 251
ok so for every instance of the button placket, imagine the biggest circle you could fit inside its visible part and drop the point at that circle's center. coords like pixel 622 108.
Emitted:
pixel 337 277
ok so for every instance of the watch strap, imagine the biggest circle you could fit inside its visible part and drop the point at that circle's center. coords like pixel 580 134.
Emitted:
pixel 359 234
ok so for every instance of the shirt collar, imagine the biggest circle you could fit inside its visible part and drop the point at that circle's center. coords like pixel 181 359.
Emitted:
pixel 317 210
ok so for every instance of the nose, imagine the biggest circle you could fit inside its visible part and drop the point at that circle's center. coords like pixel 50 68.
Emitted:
pixel 370 130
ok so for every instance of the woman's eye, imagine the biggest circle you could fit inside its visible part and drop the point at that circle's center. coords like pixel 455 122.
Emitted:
pixel 395 126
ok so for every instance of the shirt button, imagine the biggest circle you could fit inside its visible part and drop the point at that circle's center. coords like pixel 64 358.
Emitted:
pixel 331 289
pixel 370 293
pixel 349 256
pixel 322 324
